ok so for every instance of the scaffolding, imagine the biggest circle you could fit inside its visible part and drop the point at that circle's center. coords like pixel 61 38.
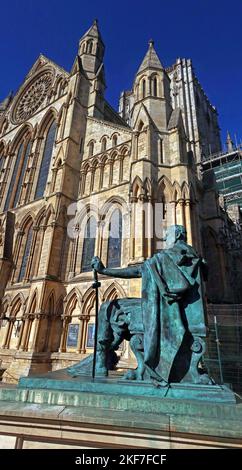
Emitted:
pixel 227 168
pixel 223 358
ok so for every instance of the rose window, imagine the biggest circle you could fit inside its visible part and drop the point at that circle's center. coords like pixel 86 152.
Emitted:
pixel 32 98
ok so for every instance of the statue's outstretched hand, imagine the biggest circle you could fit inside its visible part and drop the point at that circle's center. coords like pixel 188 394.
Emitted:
pixel 97 264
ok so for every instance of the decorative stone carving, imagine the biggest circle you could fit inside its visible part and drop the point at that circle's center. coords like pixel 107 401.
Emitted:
pixel 32 97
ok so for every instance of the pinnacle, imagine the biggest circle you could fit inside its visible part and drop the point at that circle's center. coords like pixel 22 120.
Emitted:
pixel 93 31
pixel 151 59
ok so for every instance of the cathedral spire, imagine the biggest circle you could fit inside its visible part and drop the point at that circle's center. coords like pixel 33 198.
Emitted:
pixel 90 62
pixel 229 142
pixel 91 50
pixel 151 59
pixel 151 89
pixel 93 32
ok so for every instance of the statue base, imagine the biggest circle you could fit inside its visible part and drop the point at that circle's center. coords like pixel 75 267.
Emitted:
pixel 61 411
pixel 114 385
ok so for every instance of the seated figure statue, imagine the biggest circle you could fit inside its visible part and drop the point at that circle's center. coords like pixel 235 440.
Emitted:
pixel 166 327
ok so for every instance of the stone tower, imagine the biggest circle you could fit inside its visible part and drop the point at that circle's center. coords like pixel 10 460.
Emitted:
pixel 71 165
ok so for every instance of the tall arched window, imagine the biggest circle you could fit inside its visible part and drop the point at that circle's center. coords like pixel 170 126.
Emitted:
pixel 115 240
pixel 46 159
pixel 114 140
pixel 15 328
pixel 89 244
pixel 155 86
pixel 91 148
pixel 1 160
pixel 164 207
pixel 161 153
pixel 143 89
pixel 140 126
pixel 21 174
pixel 104 144
pixel 27 247
pixel 10 190
pixel 18 173
pixel 89 46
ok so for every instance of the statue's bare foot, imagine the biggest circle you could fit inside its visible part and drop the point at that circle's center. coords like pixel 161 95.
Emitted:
pixel 130 375
pixel 205 380
pixel 133 374
pixel 161 383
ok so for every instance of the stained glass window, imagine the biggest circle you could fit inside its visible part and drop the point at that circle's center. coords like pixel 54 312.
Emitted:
pixel 14 175
pixel 22 173
pixel 89 245
pixel 46 159
pixel 25 255
pixel 115 240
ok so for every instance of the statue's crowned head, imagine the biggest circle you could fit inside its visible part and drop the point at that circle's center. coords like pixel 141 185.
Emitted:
pixel 175 233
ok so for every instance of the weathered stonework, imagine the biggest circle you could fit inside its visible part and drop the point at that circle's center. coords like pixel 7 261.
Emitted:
pixel 132 160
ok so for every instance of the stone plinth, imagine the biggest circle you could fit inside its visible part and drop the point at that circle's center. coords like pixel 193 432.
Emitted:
pixel 51 418
pixel 115 386
pixel 111 413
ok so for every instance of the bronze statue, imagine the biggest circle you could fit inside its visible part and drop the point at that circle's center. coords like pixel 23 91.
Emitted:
pixel 166 327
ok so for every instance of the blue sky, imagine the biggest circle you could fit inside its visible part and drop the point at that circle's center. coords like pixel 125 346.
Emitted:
pixel 208 31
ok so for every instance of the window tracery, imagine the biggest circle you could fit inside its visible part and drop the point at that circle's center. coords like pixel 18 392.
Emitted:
pixel 32 97
pixel 46 159
pixel 17 178
pixel 89 244
pixel 115 240
pixel 25 258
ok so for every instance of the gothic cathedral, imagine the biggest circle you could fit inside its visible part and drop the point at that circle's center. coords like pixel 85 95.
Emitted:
pixel 71 167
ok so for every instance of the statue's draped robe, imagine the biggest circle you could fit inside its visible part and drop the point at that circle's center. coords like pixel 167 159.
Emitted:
pixel 165 324
pixel 166 321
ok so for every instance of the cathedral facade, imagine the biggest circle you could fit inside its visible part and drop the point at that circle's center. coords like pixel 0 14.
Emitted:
pixel 72 168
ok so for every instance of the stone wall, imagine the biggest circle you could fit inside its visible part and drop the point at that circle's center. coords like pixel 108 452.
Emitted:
pixel 97 160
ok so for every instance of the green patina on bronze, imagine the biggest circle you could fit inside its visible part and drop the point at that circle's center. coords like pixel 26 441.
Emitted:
pixel 166 327
pixel 58 382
